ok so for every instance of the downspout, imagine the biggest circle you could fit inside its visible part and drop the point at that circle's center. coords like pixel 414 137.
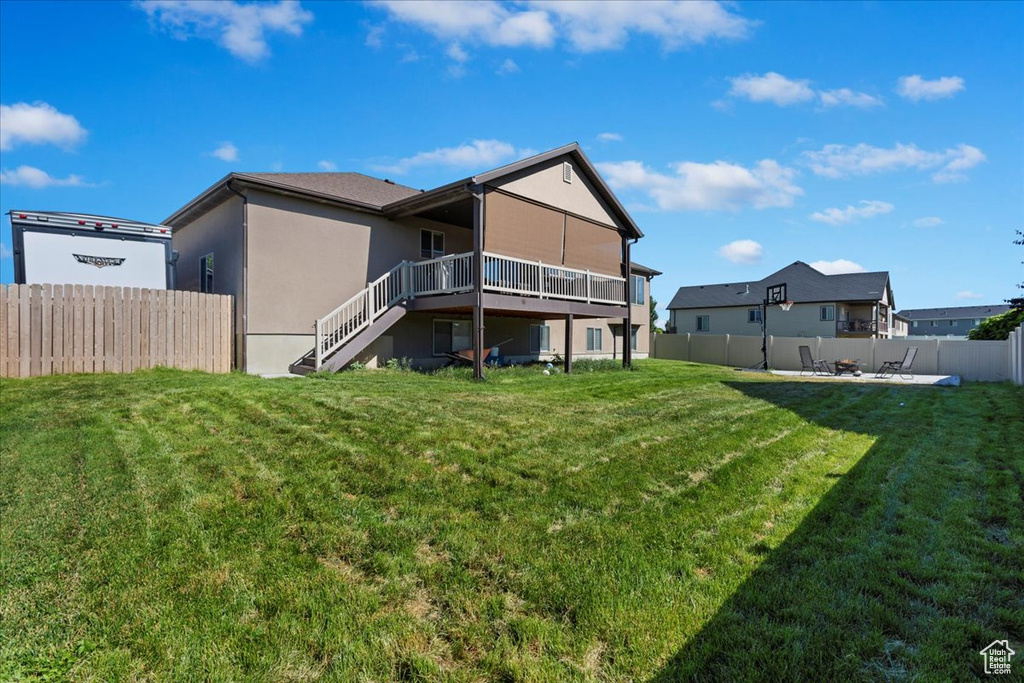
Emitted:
pixel 245 276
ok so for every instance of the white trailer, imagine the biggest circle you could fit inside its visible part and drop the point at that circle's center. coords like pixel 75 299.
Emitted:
pixel 84 249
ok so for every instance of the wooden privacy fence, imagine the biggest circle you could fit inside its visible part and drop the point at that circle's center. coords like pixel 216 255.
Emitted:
pixel 53 329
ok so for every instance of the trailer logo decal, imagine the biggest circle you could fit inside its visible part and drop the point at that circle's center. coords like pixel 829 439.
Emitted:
pixel 98 261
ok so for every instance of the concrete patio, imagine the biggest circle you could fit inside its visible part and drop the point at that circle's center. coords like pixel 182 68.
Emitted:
pixel 933 380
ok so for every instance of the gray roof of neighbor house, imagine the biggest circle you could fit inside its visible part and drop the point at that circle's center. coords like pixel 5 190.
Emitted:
pixel 803 285
pixel 364 193
pixel 954 312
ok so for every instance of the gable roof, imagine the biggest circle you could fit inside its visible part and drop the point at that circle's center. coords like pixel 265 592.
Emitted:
pixel 803 285
pixel 953 312
pixel 446 193
pixel 365 193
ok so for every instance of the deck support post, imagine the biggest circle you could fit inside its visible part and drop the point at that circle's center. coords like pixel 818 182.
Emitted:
pixel 478 282
pixel 627 322
pixel 568 344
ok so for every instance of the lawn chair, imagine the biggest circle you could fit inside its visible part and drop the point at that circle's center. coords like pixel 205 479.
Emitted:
pixel 807 363
pixel 891 368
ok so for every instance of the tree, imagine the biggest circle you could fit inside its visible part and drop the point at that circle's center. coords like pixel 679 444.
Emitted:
pixel 998 327
pixel 654 315
pixel 1017 302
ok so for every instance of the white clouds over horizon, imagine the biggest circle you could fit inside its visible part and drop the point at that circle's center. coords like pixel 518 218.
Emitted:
pixel 584 26
pixel 915 88
pixel 508 67
pixel 475 155
pixel 837 267
pixel 866 209
pixel 37 179
pixel 716 186
pixel 783 92
pixel 239 28
pixel 742 252
pixel 968 294
pixel 928 222
pixel 38 124
pixel 326 165
pixel 610 137
pixel 841 161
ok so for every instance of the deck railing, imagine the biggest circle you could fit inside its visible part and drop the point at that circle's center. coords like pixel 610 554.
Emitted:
pixel 453 274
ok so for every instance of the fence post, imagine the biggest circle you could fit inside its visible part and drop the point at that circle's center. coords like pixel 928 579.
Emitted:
pixel 727 349
pixel 938 356
pixel 872 358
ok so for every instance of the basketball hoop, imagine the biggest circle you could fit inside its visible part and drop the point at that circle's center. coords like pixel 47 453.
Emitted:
pixel 785 305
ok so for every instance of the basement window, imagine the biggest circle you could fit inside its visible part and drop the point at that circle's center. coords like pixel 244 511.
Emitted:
pixel 540 338
pixel 451 336
pixel 593 339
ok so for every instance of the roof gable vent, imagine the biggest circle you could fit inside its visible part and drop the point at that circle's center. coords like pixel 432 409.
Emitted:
pixel 567 172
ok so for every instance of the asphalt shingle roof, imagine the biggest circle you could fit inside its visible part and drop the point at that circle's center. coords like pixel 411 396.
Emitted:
pixel 803 284
pixel 354 187
pixel 953 312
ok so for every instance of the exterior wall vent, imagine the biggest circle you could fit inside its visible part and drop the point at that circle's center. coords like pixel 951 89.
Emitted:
pixel 567 172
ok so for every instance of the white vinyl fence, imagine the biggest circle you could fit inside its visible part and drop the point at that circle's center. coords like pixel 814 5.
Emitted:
pixel 984 361
pixel 1016 342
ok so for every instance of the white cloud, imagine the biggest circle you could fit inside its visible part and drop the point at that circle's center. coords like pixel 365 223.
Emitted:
pixel 771 87
pixel 915 88
pixel 742 251
pixel 456 53
pixel 29 176
pixel 226 152
pixel 595 26
pixel 928 222
pixel 374 36
pixel 840 161
pixel 609 137
pixel 239 28
pixel 968 294
pixel 508 67
pixel 837 267
pixel 327 166
pixel 718 185
pixel 588 27
pixel 849 98
pixel 5 251
pixel 37 124
pixel 867 209
pixel 478 155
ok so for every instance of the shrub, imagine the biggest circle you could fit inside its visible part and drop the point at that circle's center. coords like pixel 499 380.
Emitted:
pixel 998 327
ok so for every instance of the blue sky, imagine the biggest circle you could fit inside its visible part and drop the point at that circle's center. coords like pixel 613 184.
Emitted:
pixel 741 136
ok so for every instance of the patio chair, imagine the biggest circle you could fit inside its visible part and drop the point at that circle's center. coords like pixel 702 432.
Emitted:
pixel 891 368
pixel 807 363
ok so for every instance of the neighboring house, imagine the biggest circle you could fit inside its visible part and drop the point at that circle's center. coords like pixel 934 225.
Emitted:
pixel 328 268
pixel 848 305
pixel 952 321
pixel 900 326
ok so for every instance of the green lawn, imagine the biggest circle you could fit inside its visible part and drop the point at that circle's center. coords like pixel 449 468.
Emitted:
pixel 677 522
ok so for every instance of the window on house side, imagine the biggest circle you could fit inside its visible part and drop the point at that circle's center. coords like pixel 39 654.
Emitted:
pixel 206 274
pixel 451 336
pixel 593 339
pixel 637 289
pixel 753 315
pixel 828 312
pixel 703 323
pixel 431 243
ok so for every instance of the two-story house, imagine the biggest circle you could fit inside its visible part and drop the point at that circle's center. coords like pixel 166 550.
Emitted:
pixel 952 321
pixel 845 305
pixel 328 268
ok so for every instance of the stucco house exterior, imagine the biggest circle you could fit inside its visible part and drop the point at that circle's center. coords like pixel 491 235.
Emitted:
pixel 846 305
pixel 951 321
pixel 327 268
